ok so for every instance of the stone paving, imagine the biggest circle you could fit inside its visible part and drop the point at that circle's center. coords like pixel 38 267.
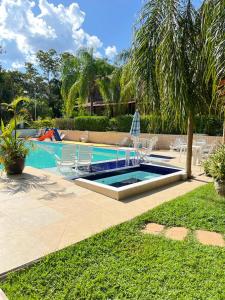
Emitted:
pixel 204 237
pixel 41 213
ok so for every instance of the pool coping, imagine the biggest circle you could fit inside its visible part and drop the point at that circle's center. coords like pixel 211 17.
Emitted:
pixel 132 189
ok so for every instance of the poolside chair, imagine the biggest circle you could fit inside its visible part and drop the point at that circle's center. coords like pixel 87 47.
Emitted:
pixel 67 160
pixel 147 147
pixel 177 144
pixel 83 158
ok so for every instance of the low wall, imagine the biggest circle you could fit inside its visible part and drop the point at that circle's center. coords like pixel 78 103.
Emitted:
pixel 26 132
pixel 115 138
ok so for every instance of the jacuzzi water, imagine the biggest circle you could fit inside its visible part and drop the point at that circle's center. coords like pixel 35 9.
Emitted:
pixel 127 178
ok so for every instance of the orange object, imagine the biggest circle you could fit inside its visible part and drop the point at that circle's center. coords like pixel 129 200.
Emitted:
pixel 49 134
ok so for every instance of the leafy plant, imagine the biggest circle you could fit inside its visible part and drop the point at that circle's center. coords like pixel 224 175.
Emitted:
pixel 215 165
pixel 11 147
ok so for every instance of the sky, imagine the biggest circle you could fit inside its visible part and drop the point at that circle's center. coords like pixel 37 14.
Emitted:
pixel 27 26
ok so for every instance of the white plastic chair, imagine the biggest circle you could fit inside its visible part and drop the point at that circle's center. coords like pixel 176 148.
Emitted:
pixel 147 147
pixel 176 145
pixel 84 157
pixel 68 158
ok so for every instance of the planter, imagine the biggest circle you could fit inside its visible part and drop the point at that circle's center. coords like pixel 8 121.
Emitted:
pixel 220 187
pixel 16 167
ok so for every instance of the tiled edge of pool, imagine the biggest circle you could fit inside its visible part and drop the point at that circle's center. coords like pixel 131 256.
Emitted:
pixel 169 176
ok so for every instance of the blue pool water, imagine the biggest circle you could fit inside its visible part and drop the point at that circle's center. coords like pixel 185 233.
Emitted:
pixel 127 178
pixel 42 154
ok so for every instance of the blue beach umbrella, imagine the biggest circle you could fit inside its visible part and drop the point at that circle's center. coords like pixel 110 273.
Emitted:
pixel 135 130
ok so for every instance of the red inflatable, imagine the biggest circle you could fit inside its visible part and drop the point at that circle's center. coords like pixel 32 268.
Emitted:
pixel 48 135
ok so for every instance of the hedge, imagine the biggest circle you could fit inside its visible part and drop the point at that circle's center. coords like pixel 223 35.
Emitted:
pixel 65 124
pixel 42 124
pixel 92 123
pixel 212 125
pixel 149 123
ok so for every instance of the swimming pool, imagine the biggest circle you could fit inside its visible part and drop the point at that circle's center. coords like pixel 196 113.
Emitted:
pixel 42 154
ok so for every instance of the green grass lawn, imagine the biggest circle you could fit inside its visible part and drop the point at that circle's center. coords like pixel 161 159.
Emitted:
pixel 123 263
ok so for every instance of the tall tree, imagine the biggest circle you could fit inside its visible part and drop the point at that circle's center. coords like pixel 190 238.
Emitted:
pixel 70 68
pixel 169 63
pixel 49 63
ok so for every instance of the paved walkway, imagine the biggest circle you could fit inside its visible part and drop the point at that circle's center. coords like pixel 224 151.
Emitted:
pixel 204 237
pixel 41 213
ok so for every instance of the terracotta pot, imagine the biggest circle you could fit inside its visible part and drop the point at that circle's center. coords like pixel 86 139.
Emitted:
pixel 16 167
pixel 220 187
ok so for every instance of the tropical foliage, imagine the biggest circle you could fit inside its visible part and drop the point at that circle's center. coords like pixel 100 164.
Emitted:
pixel 13 148
pixel 178 59
pixel 86 79
pixel 215 165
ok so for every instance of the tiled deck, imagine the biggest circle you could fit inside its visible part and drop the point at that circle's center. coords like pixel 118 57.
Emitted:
pixel 41 213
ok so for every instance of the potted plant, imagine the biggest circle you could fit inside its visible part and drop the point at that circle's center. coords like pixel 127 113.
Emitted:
pixel 216 169
pixel 13 150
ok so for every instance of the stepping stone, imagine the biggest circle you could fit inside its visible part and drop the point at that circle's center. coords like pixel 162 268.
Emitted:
pixel 153 228
pixel 2 295
pixel 210 238
pixel 176 233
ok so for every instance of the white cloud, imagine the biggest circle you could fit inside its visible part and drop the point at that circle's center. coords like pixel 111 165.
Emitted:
pixel 22 33
pixel 111 52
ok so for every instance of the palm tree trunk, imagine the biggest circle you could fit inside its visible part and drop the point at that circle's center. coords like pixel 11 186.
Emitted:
pixel 189 145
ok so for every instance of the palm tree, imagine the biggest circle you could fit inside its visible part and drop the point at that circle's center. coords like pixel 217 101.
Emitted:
pixel 18 112
pixel 109 88
pixel 213 24
pixel 83 82
pixel 70 69
pixel 172 61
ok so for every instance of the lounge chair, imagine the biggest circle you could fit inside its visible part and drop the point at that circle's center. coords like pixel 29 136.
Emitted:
pixel 68 158
pixel 84 158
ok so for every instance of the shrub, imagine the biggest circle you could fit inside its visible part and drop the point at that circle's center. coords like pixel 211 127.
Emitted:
pixel 65 124
pixel 121 123
pixel 153 123
pixel 42 124
pixel 211 125
pixel 92 123
pixel 215 165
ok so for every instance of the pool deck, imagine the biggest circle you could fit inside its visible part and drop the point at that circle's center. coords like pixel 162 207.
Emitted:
pixel 41 212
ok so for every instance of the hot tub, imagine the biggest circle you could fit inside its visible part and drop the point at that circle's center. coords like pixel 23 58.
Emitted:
pixel 124 183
